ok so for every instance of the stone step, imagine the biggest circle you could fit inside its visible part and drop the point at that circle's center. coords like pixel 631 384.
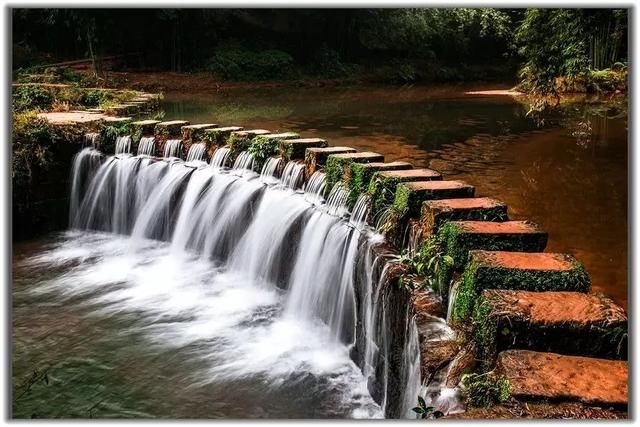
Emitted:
pixel 382 187
pixel 410 195
pixel 218 136
pixel 338 164
pixel 146 127
pixel 563 322
pixel 517 271
pixel 170 128
pixel 239 140
pixel 460 237
pixel 317 157
pixel 195 133
pixel 554 377
pixel 295 149
pixel 267 145
pixel 358 176
pixel 437 212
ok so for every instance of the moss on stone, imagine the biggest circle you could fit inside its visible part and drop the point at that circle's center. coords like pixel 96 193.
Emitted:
pixel 486 390
pixel 360 177
pixel 237 142
pixel 485 329
pixel 334 170
pixel 382 191
pixel 216 137
pixel 264 146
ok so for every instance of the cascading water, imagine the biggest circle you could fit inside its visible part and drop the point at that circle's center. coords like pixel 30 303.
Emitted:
pixel 196 152
pixel 147 146
pixel 293 175
pixel 313 259
pixel 314 188
pixel 220 157
pixel 123 144
pixel 172 148
pixel 91 139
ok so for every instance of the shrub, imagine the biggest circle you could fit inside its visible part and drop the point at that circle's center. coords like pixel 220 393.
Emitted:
pixel 236 62
pixel 93 98
pixel 31 97
pixel 485 390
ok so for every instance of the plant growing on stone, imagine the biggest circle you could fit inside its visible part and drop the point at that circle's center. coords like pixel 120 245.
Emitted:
pixel 485 390
pixel 262 148
pixel 426 412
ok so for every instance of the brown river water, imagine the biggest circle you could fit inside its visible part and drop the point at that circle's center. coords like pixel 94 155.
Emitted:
pixel 566 171
pixel 101 331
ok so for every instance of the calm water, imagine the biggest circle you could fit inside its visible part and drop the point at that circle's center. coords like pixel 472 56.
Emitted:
pixel 567 172
pixel 122 335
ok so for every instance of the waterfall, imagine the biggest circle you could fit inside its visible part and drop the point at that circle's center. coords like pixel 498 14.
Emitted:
pixel 270 170
pixel 293 175
pixel 314 188
pixel 244 161
pixel 337 200
pixel 196 152
pixel 220 157
pixel 265 230
pixel 123 144
pixel 91 140
pixel 84 166
pixel 172 148
pixel 147 146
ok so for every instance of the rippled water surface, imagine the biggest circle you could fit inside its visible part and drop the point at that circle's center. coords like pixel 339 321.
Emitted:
pixel 566 171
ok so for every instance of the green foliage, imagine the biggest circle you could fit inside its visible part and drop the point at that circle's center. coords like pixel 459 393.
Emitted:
pixel 485 390
pixel 111 132
pixel 236 62
pixel 432 263
pixel 484 333
pixel 262 148
pixel 94 98
pixel 31 97
pixel 567 43
pixel 426 412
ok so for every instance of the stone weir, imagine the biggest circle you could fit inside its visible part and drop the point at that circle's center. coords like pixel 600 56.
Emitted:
pixel 498 320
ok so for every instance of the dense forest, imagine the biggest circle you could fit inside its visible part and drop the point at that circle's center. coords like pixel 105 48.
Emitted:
pixel 533 46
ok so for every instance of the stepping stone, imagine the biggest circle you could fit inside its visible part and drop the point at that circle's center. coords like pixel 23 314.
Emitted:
pixel 294 149
pixel 358 176
pixel 410 195
pixel 170 128
pixel 563 322
pixel 382 187
pixel 117 119
pixel 131 108
pixel 437 212
pixel 195 133
pixel 337 164
pixel 219 136
pixel 239 140
pixel 517 271
pixel 549 376
pixel 146 127
pixel 267 145
pixel 250 133
pixel 315 157
pixel 116 110
pixel 460 237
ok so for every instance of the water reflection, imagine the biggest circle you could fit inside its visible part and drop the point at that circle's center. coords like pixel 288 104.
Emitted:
pixel 567 171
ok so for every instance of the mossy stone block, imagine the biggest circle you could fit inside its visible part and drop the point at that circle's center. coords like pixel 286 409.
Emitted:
pixel 314 158
pixel 295 149
pixel 460 237
pixel 338 164
pixel 410 195
pixel 382 186
pixel 264 146
pixel 437 212
pixel 568 322
pixel 537 272
pixel 361 174
pixel 218 136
